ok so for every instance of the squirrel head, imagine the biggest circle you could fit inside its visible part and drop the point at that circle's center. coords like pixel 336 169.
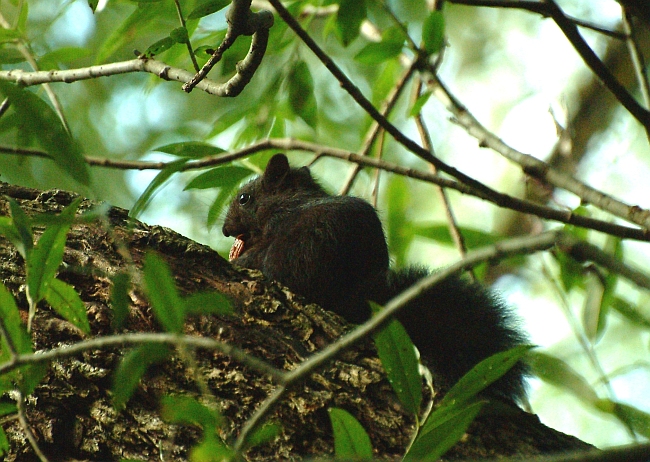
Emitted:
pixel 279 189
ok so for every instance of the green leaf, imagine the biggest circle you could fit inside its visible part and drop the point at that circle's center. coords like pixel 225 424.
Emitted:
pixel 207 303
pixel 145 198
pixel 9 35
pixel 19 231
pixel 349 18
pixel 301 93
pixel 13 325
pixel 4 442
pixel 444 428
pixel 46 256
pixel 207 8
pixel 378 52
pixel 10 56
pixel 264 434
pixel 351 442
pixel 158 47
pixel 224 176
pixel 131 369
pixel 389 47
pixel 557 372
pixel 142 18
pixel 433 32
pixel 180 35
pixel 571 271
pixel 166 304
pixel 37 120
pixel 633 417
pixel 187 410
pixel 631 312
pixel 190 149
pixel 66 301
pixel 21 24
pixel 484 374
pixel 397 226
pixel 398 357
pixel 30 376
pixel 419 103
pixel 120 299
pixel 211 449
pixel 64 55
pixel 93 4
pixel 7 408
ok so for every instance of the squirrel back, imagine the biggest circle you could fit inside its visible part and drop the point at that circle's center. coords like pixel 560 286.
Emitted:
pixel 332 251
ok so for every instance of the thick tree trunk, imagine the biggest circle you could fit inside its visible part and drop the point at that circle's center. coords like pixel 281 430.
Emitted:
pixel 71 414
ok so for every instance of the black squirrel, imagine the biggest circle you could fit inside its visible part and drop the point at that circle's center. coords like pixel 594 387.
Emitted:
pixel 332 251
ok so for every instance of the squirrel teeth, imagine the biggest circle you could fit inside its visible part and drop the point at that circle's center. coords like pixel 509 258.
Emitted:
pixel 237 248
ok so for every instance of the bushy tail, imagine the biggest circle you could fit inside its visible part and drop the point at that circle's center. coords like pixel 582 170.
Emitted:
pixel 455 325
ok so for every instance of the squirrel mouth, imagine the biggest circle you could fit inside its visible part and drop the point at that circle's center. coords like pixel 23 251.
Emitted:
pixel 237 248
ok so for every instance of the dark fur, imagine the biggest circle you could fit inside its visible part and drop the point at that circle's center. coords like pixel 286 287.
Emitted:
pixel 332 250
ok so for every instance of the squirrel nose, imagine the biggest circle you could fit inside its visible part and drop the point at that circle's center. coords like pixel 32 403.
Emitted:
pixel 225 231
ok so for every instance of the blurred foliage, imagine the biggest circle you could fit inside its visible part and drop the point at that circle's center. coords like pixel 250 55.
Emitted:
pixel 142 117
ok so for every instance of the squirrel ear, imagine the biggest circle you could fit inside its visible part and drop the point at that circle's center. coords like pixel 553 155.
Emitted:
pixel 276 170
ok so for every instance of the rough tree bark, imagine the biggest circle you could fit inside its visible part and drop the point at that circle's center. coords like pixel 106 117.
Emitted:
pixel 71 414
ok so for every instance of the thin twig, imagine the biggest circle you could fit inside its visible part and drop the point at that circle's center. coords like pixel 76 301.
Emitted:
pixel 375 129
pixel 570 30
pixel 533 166
pixel 22 418
pixel 139 339
pixel 181 18
pixel 637 57
pixel 497 198
pixel 454 230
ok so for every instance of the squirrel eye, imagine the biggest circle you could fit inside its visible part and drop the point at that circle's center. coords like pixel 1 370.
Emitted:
pixel 244 198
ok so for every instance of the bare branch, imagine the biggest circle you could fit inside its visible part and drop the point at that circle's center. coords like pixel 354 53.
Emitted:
pixel 570 29
pixel 495 197
pixel 241 21
pixel 533 166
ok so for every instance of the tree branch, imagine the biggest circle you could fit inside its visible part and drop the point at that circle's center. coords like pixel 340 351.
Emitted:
pixel 495 197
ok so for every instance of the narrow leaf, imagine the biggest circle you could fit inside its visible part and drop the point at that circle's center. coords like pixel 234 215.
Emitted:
pixel 349 18
pixel 419 103
pixel 39 121
pixel 166 304
pixel 444 428
pixel 484 374
pixel 397 355
pixel 120 299
pixel 191 149
pixel 264 434
pixel 207 303
pixel 10 318
pixel 226 176
pixel 557 372
pixel 206 8
pixel 158 47
pixel 180 35
pixel 433 32
pixel 66 301
pixel 145 198
pixel 351 442
pixel 187 410
pixel 4 442
pixel 46 256
pixel 634 418
pixel 301 93
pixel 132 368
